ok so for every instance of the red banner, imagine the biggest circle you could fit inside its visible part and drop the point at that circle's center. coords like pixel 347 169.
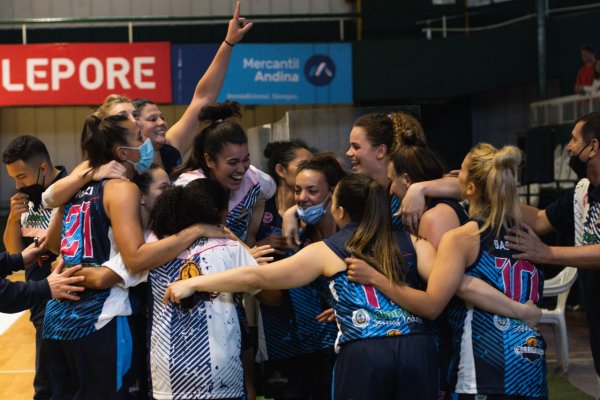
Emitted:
pixel 83 73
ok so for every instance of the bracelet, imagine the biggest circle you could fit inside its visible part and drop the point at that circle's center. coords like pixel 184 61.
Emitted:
pixel 228 43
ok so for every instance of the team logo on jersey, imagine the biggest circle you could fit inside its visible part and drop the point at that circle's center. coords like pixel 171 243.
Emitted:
pixel 360 318
pixel 189 270
pixel 531 350
pixel 501 323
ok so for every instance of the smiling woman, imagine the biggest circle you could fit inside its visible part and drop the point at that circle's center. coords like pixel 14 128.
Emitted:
pixel 220 153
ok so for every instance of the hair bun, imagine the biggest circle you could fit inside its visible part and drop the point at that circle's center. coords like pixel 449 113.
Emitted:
pixel 508 157
pixel 271 148
pixel 409 137
pixel 407 130
pixel 219 111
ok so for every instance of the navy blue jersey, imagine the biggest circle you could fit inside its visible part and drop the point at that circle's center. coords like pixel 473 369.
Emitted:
pixel 85 240
pixel 395 204
pixel 271 222
pixel 291 328
pixel 461 213
pixel 493 354
pixel 362 312
pixel 170 157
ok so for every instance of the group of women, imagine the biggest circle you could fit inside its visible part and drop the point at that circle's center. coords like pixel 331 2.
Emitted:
pixel 353 305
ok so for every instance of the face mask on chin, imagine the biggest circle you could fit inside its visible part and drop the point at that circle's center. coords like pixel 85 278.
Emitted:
pixel 34 192
pixel 578 166
pixel 313 214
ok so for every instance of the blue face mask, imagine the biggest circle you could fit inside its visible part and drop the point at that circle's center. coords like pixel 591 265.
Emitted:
pixel 146 156
pixel 311 215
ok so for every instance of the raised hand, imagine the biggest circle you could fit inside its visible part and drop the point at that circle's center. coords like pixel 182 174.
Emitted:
pixel 238 26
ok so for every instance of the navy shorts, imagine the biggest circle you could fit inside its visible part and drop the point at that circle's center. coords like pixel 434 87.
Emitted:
pixel 308 376
pixel 387 368
pixel 103 365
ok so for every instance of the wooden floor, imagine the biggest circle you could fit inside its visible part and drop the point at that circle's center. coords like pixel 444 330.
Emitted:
pixel 17 358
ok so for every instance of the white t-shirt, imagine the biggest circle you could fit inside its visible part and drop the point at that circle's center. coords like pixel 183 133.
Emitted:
pixel 195 352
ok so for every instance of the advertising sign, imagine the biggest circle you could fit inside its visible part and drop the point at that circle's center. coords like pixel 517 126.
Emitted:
pixel 318 73
pixel 83 73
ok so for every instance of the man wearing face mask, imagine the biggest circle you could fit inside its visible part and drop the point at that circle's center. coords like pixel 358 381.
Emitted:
pixel 27 162
pixel 576 213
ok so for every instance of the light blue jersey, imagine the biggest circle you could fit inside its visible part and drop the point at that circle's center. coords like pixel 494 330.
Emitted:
pixel 493 354
pixel 362 312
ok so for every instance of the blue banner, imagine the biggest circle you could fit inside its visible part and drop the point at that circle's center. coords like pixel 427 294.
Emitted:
pixel 270 73
pixel 188 63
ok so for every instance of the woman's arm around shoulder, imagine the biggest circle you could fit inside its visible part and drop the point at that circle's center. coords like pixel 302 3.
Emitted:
pixel 295 271
pixel 122 205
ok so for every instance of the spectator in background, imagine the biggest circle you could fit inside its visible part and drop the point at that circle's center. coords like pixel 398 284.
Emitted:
pixel 595 86
pixel 587 73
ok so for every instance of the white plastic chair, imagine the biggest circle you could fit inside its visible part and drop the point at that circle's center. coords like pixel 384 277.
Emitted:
pixel 559 287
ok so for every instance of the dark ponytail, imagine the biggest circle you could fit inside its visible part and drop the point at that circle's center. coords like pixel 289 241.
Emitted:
pixel 366 202
pixel 413 157
pixel 100 137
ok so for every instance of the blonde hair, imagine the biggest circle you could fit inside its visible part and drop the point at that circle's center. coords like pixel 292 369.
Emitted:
pixel 111 100
pixel 405 125
pixel 494 174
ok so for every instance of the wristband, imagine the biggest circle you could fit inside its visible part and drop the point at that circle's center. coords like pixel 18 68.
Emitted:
pixel 228 43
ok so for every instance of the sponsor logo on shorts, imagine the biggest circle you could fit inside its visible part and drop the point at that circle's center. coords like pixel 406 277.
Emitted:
pixel 360 318
pixel 267 217
pixel 530 350
pixel 277 379
pixel 501 323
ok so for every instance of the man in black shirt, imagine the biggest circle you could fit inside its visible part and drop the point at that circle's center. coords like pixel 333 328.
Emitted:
pixel 575 213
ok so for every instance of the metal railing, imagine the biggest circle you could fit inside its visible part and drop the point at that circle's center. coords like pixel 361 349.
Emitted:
pixel 563 110
pixel 444 29
pixel 132 22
